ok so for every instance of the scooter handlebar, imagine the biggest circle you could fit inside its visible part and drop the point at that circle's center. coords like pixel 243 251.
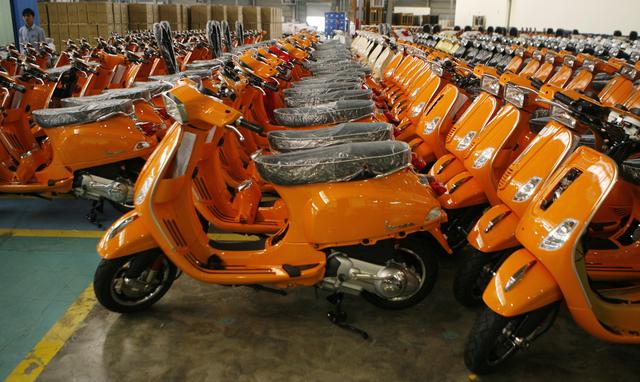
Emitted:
pixel 249 126
pixel 273 88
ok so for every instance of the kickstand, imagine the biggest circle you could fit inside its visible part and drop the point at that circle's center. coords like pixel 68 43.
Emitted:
pixel 339 316
pixel 97 206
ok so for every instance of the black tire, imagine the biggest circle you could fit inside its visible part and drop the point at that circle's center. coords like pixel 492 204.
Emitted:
pixel 472 275
pixel 427 255
pixel 105 289
pixel 488 346
pixel 460 224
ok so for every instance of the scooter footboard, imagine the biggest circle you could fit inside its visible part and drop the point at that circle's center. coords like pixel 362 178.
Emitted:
pixel 125 237
pixel 495 230
pixel 522 284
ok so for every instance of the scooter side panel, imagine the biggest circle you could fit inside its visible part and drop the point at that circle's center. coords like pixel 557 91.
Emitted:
pixel 445 168
pixel 535 289
pixel 464 191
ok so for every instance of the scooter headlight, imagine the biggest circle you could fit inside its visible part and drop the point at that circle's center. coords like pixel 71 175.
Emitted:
pixel 559 235
pixel 120 225
pixel 417 109
pixel 550 58
pixel 569 61
pixel 466 141
pixel 563 116
pixel 436 69
pixel 143 190
pixel 514 95
pixel 589 65
pixel 526 190
pixel 490 84
pixel 484 156
pixel 629 72
pixel 175 108
pixel 431 126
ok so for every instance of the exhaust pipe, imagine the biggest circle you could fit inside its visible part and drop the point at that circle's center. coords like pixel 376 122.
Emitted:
pixel 95 188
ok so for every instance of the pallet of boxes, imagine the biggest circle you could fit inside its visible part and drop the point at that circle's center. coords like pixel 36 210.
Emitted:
pixel 176 14
pixel 271 20
pixel 142 16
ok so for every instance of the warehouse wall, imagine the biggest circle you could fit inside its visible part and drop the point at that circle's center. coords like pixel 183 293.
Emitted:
pixel 589 16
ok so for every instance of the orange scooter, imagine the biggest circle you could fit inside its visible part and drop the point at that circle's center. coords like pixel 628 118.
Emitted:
pixel 359 249
pixel 62 154
pixel 556 231
pixel 494 233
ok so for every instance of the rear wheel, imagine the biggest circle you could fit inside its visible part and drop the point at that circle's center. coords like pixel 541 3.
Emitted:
pixel 494 338
pixel 133 283
pixel 417 262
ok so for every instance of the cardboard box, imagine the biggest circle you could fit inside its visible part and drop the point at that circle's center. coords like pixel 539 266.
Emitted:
pixel 45 28
pixel 199 16
pixel 234 13
pixel 72 12
pixel 43 13
pixel 100 12
pixel 105 30
pixel 62 16
pixel 64 31
pixel 82 13
pixel 74 32
pixel 143 13
pixel 218 12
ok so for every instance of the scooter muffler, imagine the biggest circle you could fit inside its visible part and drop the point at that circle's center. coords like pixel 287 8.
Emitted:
pixel 95 188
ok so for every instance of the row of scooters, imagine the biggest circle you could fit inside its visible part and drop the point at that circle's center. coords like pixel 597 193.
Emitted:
pixel 533 152
pixel 372 166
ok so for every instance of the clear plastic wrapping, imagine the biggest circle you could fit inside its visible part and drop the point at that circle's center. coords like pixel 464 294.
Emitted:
pixel 319 89
pixel 197 73
pixel 338 95
pixel 340 163
pixel 55 73
pixel 328 83
pixel 337 77
pixel 81 114
pixel 204 64
pixel 130 93
pixel 154 87
pixel 328 113
pixel 351 132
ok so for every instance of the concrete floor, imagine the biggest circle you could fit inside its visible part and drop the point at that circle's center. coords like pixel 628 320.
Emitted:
pixel 201 332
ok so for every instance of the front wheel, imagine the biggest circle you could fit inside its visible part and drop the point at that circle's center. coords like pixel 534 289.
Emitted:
pixel 418 266
pixel 473 274
pixel 133 283
pixel 494 338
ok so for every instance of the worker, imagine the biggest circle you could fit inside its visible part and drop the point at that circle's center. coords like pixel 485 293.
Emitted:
pixel 29 32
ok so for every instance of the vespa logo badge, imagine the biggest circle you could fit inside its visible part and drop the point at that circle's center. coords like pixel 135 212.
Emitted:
pixel 390 227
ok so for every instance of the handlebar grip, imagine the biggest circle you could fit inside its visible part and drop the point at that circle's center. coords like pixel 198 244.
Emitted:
pixel 250 126
pixel 19 88
pixel 536 83
pixel 273 88
pixel 563 98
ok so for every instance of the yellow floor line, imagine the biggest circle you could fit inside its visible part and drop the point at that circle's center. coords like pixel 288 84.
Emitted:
pixel 99 234
pixel 34 363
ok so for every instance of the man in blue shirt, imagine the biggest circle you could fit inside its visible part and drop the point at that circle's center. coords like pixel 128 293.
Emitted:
pixel 29 32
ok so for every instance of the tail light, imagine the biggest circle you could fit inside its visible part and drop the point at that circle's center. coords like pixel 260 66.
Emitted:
pixel 149 128
pixel 418 163
pixel 436 186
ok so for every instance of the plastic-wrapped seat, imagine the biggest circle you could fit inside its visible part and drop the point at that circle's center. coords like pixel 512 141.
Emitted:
pixel 338 95
pixel 76 115
pixel 204 64
pixel 154 87
pixel 340 163
pixel 198 73
pixel 129 93
pixel 351 132
pixel 328 113
pixel 317 80
pixel 318 89
pixel 325 85
pixel 55 73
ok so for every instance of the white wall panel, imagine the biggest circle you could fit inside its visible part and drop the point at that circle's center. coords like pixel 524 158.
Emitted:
pixel 588 16
pixel 495 11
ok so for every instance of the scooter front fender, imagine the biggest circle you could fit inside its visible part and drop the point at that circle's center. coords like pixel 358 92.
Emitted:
pixel 531 286
pixel 464 191
pixel 495 230
pixel 125 237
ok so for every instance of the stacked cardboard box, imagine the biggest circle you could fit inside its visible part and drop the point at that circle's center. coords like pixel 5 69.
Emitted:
pixel 199 16
pixel 234 13
pixel 252 18
pixel 218 12
pixel 43 14
pixel 173 13
pixel 121 18
pixel 271 19
pixel 142 16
